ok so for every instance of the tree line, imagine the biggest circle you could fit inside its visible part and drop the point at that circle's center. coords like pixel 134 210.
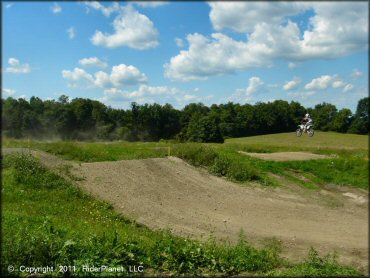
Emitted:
pixel 86 119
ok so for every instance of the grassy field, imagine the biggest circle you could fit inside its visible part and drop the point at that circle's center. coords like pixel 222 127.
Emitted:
pixel 47 221
pixel 321 140
pixel 347 163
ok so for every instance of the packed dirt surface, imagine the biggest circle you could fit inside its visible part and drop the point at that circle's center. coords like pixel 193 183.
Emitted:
pixel 285 156
pixel 167 193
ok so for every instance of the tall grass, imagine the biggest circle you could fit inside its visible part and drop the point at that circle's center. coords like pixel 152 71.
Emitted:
pixel 220 163
pixel 49 222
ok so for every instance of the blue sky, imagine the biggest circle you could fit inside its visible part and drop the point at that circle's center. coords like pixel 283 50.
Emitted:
pixel 178 53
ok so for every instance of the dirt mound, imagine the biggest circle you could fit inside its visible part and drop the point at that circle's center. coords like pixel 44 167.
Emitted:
pixel 167 193
pixel 284 156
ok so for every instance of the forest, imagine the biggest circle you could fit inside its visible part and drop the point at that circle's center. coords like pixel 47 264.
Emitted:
pixel 86 119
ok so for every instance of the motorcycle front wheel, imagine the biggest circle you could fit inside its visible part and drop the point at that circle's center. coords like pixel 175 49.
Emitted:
pixel 310 132
pixel 298 132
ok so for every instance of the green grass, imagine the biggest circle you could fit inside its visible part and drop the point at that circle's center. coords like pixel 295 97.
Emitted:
pixel 289 141
pixel 346 165
pixel 93 152
pixel 48 221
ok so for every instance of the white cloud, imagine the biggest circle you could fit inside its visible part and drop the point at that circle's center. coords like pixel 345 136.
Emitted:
pixel 356 74
pixel 292 65
pixel 321 83
pixel 149 94
pixel 254 84
pixel 17 67
pixel 243 16
pixel 179 42
pixel 126 75
pixel 9 5
pixel 189 97
pixel 270 35
pixel 71 31
pixel 215 56
pixel 348 88
pixel 245 94
pixel 78 78
pixel 292 84
pixel 338 84
pixel 121 75
pixel 106 11
pixel 325 81
pixel 93 62
pixel 56 8
pixel 131 29
pixel 151 4
pixel 302 95
pixel 342 23
pixel 7 92
pixel 144 94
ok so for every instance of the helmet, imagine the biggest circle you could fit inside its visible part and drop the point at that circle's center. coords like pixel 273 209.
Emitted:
pixel 307 115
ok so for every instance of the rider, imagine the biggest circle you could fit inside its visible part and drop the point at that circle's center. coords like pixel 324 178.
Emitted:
pixel 307 120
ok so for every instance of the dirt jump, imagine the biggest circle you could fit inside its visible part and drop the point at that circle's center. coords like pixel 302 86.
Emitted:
pixel 167 193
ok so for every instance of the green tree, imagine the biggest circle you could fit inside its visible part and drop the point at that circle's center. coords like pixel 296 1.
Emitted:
pixel 342 120
pixel 204 129
pixel 323 116
pixel 360 122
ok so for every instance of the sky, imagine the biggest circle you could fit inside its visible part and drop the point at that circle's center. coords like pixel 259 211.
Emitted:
pixel 184 52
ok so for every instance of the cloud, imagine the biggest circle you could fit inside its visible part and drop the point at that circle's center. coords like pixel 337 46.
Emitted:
pixel 131 29
pixel 179 42
pixel 9 5
pixel 302 95
pixel 320 83
pixel 254 84
pixel 151 4
pixel 356 74
pixel 144 94
pixel 245 94
pixel 243 16
pixel 348 88
pixel 92 62
pixel 16 67
pixel 120 76
pixel 270 35
pixel 292 65
pixel 78 78
pixel 325 81
pixel 216 56
pixel 150 94
pixel 338 84
pixel 292 84
pixel 106 11
pixel 56 8
pixel 7 92
pixel 71 32
pixel 126 75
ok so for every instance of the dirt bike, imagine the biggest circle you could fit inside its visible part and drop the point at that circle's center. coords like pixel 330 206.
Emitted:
pixel 303 128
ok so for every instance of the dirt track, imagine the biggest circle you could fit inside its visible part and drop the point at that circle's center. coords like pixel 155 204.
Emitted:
pixel 168 193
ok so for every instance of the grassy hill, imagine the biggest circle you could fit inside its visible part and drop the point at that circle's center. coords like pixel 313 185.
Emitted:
pixel 321 140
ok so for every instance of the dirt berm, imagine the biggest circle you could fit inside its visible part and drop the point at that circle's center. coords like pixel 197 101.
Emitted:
pixel 167 193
